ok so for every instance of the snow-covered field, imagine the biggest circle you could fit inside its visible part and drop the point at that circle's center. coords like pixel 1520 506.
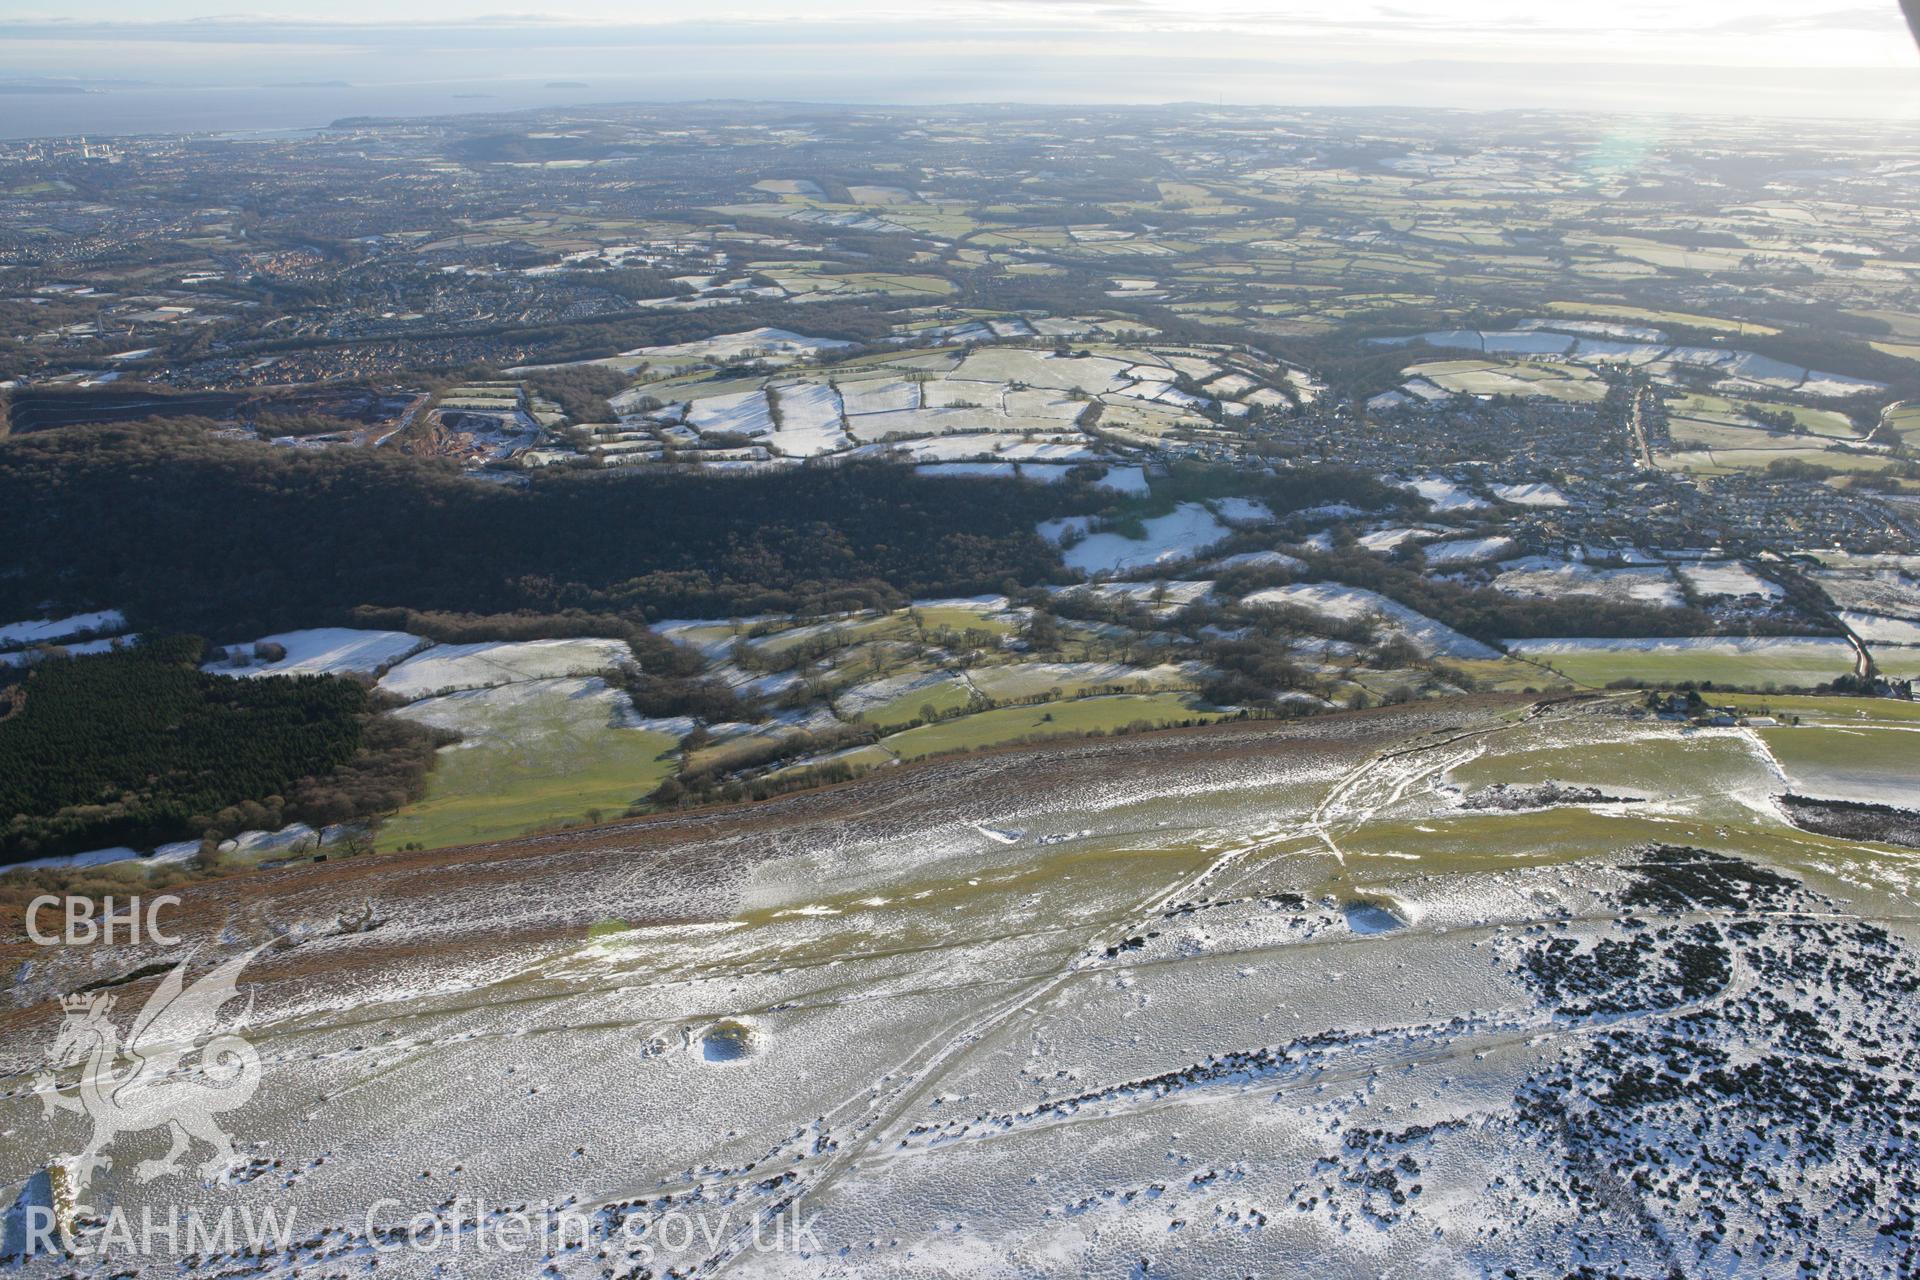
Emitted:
pixel 1876 628
pixel 1242 511
pixel 1031 679
pixel 1393 536
pixel 752 343
pixel 810 421
pixel 930 421
pixel 1182 534
pixel 882 195
pixel 20 635
pixel 1784 662
pixel 74 861
pixel 1544 578
pixel 1159 594
pixel 417 668
pixel 519 715
pixel 1683 644
pixel 742 413
pixel 1445 494
pixel 1530 495
pixel 1259 560
pixel 1894 592
pixel 1467 550
pixel 1645 348
pixel 879 395
pixel 1351 604
pixel 1730 579
pixel 321 651
pixel 1131 480
pixel 874 694
pixel 990 403
pixel 294 838
pixel 477 666
pixel 1119 479
pixel 76 648
pixel 1095 375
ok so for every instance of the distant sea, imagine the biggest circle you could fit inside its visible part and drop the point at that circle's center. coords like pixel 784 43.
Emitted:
pixel 158 110
pixel 313 98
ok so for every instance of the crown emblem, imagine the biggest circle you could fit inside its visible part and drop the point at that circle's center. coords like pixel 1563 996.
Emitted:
pixel 78 1002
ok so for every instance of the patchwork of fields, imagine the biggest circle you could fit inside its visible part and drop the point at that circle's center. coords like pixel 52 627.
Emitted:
pixel 1007 404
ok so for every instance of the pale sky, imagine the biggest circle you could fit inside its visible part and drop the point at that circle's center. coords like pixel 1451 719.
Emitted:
pixel 1750 32
pixel 1820 57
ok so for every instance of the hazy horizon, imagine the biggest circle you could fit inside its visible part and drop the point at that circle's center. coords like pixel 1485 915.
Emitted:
pixel 171 67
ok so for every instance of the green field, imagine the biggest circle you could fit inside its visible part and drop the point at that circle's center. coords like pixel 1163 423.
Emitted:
pixel 1904 421
pixel 1905 350
pixel 1798 666
pixel 1719 461
pixel 1724 411
pixel 1709 433
pixel 961 619
pixel 842 631
pixel 1689 319
pixel 1503 675
pixel 946 697
pixel 1660 760
pixel 506 787
pixel 1878 764
pixel 1513 378
pixel 1821 710
pixel 1467 843
pixel 1900 663
pixel 739 749
pixel 1054 719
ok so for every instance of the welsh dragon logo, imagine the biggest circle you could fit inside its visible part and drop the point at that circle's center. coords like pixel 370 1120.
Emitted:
pixel 156 1088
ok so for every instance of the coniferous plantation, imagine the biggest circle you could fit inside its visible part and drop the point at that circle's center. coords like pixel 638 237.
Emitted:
pixel 140 747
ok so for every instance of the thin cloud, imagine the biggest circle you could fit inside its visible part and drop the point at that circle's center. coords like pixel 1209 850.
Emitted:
pixel 1088 51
